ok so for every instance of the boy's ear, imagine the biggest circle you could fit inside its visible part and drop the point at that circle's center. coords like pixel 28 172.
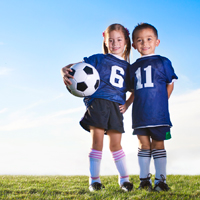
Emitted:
pixel 157 42
pixel 133 45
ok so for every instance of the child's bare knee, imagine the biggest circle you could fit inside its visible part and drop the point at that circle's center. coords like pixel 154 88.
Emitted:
pixel 157 144
pixel 115 147
pixel 144 146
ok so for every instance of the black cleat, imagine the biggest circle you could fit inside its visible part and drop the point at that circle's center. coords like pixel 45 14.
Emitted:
pixel 161 185
pixel 145 183
pixel 96 186
pixel 127 186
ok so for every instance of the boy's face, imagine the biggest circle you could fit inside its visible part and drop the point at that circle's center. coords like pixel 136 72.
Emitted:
pixel 145 41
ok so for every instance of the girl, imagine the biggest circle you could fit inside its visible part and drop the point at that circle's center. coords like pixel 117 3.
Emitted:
pixel 104 107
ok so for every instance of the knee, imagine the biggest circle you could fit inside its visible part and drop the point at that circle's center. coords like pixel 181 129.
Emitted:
pixel 144 146
pixel 115 147
pixel 97 145
pixel 157 144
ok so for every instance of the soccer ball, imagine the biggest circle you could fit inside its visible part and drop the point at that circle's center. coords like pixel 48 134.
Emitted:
pixel 86 80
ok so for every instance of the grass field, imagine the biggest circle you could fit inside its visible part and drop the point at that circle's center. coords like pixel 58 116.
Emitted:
pixel 76 187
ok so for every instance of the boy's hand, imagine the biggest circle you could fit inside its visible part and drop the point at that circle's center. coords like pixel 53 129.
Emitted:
pixel 65 74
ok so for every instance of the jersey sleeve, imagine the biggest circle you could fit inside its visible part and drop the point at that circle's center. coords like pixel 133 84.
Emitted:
pixel 93 60
pixel 169 71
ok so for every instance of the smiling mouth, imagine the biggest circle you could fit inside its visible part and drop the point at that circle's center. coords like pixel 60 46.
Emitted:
pixel 144 49
pixel 115 48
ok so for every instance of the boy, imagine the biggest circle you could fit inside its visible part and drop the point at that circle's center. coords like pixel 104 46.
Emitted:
pixel 152 78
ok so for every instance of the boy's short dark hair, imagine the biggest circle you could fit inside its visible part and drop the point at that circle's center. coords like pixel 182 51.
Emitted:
pixel 143 26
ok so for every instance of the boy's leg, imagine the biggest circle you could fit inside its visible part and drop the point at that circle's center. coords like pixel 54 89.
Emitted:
pixel 95 156
pixel 144 158
pixel 120 159
pixel 160 161
pixel 144 155
pixel 160 158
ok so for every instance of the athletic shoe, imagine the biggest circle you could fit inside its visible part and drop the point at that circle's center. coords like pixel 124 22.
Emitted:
pixel 145 183
pixel 161 185
pixel 127 186
pixel 96 186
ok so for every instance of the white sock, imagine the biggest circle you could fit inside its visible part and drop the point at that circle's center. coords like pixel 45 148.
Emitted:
pixel 160 162
pixel 120 162
pixel 95 161
pixel 144 158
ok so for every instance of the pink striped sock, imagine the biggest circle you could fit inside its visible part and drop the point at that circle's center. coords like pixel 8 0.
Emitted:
pixel 95 154
pixel 117 155
pixel 120 162
pixel 95 161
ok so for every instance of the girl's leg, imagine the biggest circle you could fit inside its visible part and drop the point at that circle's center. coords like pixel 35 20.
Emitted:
pixel 144 156
pixel 160 159
pixel 95 154
pixel 118 155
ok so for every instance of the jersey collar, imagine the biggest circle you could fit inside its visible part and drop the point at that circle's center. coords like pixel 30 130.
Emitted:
pixel 119 57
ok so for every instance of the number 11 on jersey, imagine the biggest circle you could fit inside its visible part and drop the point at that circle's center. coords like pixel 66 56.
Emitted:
pixel 148 73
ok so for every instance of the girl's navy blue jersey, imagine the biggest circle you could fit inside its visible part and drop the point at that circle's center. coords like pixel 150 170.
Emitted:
pixel 113 73
pixel 149 77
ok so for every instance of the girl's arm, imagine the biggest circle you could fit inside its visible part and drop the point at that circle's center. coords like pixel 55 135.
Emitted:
pixel 65 74
pixel 170 88
pixel 129 101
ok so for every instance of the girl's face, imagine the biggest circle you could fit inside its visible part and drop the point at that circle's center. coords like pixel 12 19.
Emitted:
pixel 115 42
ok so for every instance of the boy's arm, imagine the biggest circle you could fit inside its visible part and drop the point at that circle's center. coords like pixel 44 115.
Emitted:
pixel 130 100
pixel 170 88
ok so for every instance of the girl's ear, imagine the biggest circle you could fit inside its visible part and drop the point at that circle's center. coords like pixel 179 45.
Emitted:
pixel 133 45
pixel 105 43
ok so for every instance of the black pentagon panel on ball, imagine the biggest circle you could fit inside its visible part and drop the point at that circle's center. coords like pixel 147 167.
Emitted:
pixel 82 86
pixel 73 72
pixel 88 70
pixel 96 84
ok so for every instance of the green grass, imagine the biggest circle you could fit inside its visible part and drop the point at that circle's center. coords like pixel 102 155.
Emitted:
pixel 76 187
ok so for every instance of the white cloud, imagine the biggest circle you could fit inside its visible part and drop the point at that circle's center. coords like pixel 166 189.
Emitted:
pixel 5 70
pixel 20 120
pixel 68 139
pixel 183 148
pixel 3 110
pixel 185 111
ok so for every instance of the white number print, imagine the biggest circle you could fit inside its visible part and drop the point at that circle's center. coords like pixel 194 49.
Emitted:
pixel 115 76
pixel 148 73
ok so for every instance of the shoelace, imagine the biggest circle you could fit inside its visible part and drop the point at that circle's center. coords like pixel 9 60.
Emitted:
pixel 163 185
pixel 162 178
pixel 149 176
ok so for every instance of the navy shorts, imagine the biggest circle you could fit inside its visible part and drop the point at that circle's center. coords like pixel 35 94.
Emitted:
pixel 156 133
pixel 103 114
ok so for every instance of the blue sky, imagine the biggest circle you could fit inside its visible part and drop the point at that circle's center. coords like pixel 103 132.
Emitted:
pixel 39 119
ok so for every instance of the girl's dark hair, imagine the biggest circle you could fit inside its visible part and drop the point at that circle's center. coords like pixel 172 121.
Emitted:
pixel 144 26
pixel 118 27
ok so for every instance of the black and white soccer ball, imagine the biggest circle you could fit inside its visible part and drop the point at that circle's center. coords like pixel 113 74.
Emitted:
pixel 86 80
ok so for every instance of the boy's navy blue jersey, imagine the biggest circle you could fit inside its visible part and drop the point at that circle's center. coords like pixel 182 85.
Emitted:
pixel 113 73
pixel 149 77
